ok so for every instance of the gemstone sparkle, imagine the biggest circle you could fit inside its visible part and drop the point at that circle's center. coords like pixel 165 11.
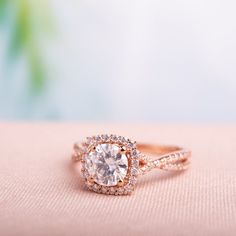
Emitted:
pixel 106 164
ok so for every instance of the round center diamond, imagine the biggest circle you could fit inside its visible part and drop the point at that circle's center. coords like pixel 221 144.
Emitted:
pixel 106 164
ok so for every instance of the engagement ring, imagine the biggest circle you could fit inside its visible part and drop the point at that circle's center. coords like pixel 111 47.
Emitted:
pixel 111 164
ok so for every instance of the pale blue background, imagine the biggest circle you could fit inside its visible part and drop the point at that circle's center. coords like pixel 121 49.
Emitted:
pixel 131 61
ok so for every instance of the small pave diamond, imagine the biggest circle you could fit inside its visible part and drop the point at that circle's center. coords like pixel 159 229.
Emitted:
pixel 106 164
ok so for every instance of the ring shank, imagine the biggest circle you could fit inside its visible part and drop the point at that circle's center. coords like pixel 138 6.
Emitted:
pixel 163 157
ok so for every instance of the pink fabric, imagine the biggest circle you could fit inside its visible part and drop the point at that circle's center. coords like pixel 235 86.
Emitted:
pixel 41 195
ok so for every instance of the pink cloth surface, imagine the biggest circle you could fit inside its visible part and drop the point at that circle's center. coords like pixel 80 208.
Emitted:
pixel 40 194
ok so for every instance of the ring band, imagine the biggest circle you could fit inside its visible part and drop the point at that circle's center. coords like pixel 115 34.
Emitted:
pixel 111 164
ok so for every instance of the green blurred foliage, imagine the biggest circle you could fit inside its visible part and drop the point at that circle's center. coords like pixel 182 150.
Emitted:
pixel 29 21
pixel 3 4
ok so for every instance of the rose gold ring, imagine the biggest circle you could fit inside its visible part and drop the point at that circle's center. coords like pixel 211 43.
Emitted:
pixel 111 164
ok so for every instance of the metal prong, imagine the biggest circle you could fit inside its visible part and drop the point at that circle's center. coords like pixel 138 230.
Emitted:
pixel 91 179
pixel 123 149
pixel 120 183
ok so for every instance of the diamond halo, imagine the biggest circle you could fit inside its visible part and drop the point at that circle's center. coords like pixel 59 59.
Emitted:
pixel 110 164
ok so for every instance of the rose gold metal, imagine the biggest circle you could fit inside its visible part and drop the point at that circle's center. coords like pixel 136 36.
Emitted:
pixel 163 157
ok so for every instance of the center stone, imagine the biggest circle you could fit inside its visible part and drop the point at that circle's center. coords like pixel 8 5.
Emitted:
pixel 106 164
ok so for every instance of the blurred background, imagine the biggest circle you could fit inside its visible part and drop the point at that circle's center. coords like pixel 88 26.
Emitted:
pixel 87 60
